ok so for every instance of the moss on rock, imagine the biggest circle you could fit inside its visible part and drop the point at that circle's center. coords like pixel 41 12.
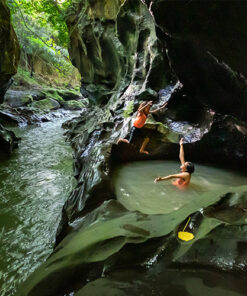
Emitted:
pixel 46 104
pixel 73 105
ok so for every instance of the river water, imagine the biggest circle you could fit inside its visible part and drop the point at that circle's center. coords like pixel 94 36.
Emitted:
pixel 34 184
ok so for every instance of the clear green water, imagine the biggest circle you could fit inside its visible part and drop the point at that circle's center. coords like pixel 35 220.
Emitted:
pixel 107 230
pixel 136 190
pixel 34 184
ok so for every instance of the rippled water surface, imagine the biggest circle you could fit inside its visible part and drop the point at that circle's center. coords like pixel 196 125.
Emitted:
pixel 137 191
pixel 34 184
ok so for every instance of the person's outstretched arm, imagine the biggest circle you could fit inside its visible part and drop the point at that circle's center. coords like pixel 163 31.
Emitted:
pixel 158 109
pixel 177 176
pixel 142 108
pixel 181 152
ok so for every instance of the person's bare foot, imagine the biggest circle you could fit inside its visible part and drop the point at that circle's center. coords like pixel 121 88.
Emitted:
pixel 122 140
pixel 144 151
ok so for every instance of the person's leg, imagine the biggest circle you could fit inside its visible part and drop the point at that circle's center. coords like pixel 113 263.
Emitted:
pixel 122 140
pixel 144 144
pixel 132 134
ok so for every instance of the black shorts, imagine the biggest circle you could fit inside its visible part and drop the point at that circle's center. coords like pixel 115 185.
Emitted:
pixel 135 133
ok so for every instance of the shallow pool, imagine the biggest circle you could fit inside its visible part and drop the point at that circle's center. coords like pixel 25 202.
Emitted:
pixel 136 190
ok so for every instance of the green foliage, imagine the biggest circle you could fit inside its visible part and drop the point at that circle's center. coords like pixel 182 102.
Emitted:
pixel 43 36
pixel 45 12
pixel 25 75
pixel 128 110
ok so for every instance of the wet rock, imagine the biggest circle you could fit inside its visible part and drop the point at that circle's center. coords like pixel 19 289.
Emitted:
pixel 9 49
pixel 225 143
pixel 138 281
pixel 17 98
pixel 232 208
pixel 207 63
pixel 68 95
pixel 8 141
pixel 26 115
pixel 73 105
pixel 92 147
pixel 109 48
pixel 148 95
pixel 46 104
pixel 113 239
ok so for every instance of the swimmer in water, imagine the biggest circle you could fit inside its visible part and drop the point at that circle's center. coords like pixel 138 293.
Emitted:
pixel 136 130
pixel 187 168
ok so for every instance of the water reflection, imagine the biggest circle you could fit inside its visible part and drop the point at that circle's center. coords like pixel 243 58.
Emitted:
pixel 34 185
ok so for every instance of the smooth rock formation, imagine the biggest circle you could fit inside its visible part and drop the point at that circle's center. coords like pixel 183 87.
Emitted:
pixel 112 240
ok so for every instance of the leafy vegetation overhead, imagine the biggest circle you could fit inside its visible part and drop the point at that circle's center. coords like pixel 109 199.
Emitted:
pixel 43 35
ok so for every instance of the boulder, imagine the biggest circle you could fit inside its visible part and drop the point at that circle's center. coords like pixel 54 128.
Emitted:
pixel 73 105
pixel 46 104
pixel 8 140
pixel 15 98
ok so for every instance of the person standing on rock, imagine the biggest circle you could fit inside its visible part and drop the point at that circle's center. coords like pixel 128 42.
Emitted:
pixel 187 168
pixel 139 122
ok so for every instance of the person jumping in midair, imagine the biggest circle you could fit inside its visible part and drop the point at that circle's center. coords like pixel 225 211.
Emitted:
pixel 187 168
pixel 136 130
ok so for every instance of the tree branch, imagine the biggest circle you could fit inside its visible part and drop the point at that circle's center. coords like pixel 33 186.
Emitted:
pixel 30 29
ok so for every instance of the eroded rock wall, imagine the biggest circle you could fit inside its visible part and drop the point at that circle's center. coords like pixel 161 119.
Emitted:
pixel 113 44
pixel 129 28
pixel 9 58
pixel 9 49
pixel 207 43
